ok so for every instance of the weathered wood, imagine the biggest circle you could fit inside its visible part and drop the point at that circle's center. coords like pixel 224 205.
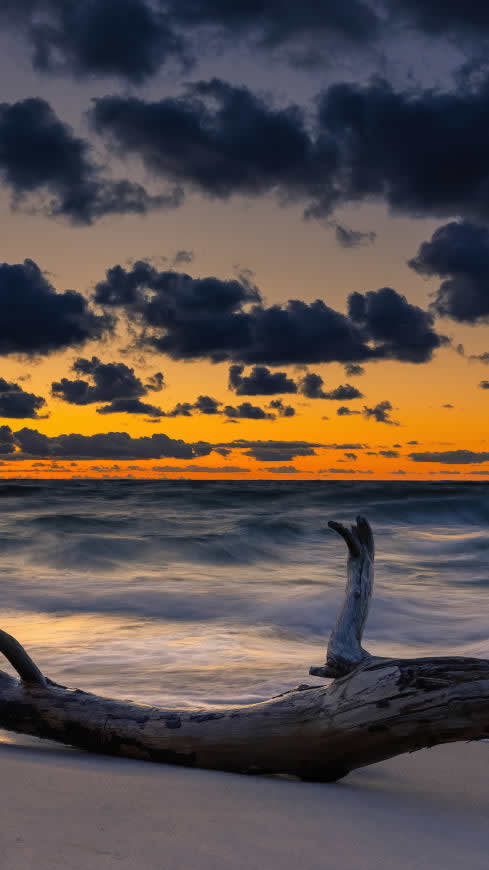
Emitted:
pixel 377 709
pixel 345 651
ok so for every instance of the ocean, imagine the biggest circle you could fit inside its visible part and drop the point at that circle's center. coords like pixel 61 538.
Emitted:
pixel 202 593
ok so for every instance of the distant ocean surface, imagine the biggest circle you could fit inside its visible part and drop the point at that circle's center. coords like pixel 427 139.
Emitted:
pixel 201 593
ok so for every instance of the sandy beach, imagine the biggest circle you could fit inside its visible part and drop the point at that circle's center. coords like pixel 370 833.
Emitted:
pixel 68 810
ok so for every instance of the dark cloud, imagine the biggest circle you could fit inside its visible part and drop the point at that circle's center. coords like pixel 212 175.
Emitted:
pixel 40 156
pixel 351 455
pixel 311 386
pixel 273 451
pixel 247 411
pixel 14 402
pixel 202 469
pixel 381 413
pixel 130 406
pixel 155 383
pixel 364 142
pixel 401 330
pixel 304 29
pixel 484 385
pixel 335 446
pixel 115 383
pixel 341 471
pixel 207 405
pixel 353 369
pixel 301 333
pixel 202 405
pixel 132 39
pixel 110 445
pixel 219 139
pixel 447 405
pixel 191 318
pixel 7 441
pixel 403 147
pixel 343 393
pixel 181 409
pixel 344 411
pixel 223 451
pixel 278 454
pixel 35 319
pixel 135 39
pixel 348 238
pixel 458 253
pixel 389 454
pixel 283 469
pixel 455 457
pixel 448 18
pixel 282 410
pixel 260 382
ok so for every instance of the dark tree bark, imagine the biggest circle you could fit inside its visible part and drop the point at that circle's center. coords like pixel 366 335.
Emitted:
pixel 374 709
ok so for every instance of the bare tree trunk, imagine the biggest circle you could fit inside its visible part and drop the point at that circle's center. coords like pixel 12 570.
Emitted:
pixel 374 709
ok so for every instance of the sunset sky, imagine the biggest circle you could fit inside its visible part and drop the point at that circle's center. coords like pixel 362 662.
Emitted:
pixel 245 240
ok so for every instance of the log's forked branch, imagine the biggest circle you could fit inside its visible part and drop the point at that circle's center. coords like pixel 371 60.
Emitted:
pixel 20 660
pixel 345 651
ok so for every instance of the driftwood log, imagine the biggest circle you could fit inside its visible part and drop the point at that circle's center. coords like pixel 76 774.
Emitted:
pixel 374 709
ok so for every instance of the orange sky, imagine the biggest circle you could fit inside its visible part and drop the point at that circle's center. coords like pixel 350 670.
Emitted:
pixel 289 258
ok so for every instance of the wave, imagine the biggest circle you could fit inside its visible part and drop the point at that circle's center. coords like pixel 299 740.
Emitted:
pixel 246 578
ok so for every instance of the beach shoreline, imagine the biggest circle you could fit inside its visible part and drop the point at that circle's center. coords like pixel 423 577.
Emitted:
pixel 69 810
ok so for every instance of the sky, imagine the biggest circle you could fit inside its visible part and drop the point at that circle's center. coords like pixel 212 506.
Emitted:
pixel 244 241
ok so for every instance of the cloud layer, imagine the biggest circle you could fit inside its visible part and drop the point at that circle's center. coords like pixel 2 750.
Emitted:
pixel 191 318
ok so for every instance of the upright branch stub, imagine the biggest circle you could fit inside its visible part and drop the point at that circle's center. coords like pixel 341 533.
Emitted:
pixel 345 651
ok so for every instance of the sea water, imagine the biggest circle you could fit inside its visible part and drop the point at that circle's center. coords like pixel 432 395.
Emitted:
pixel 202 593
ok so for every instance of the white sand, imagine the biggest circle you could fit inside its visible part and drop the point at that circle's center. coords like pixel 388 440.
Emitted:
pixel 65 810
